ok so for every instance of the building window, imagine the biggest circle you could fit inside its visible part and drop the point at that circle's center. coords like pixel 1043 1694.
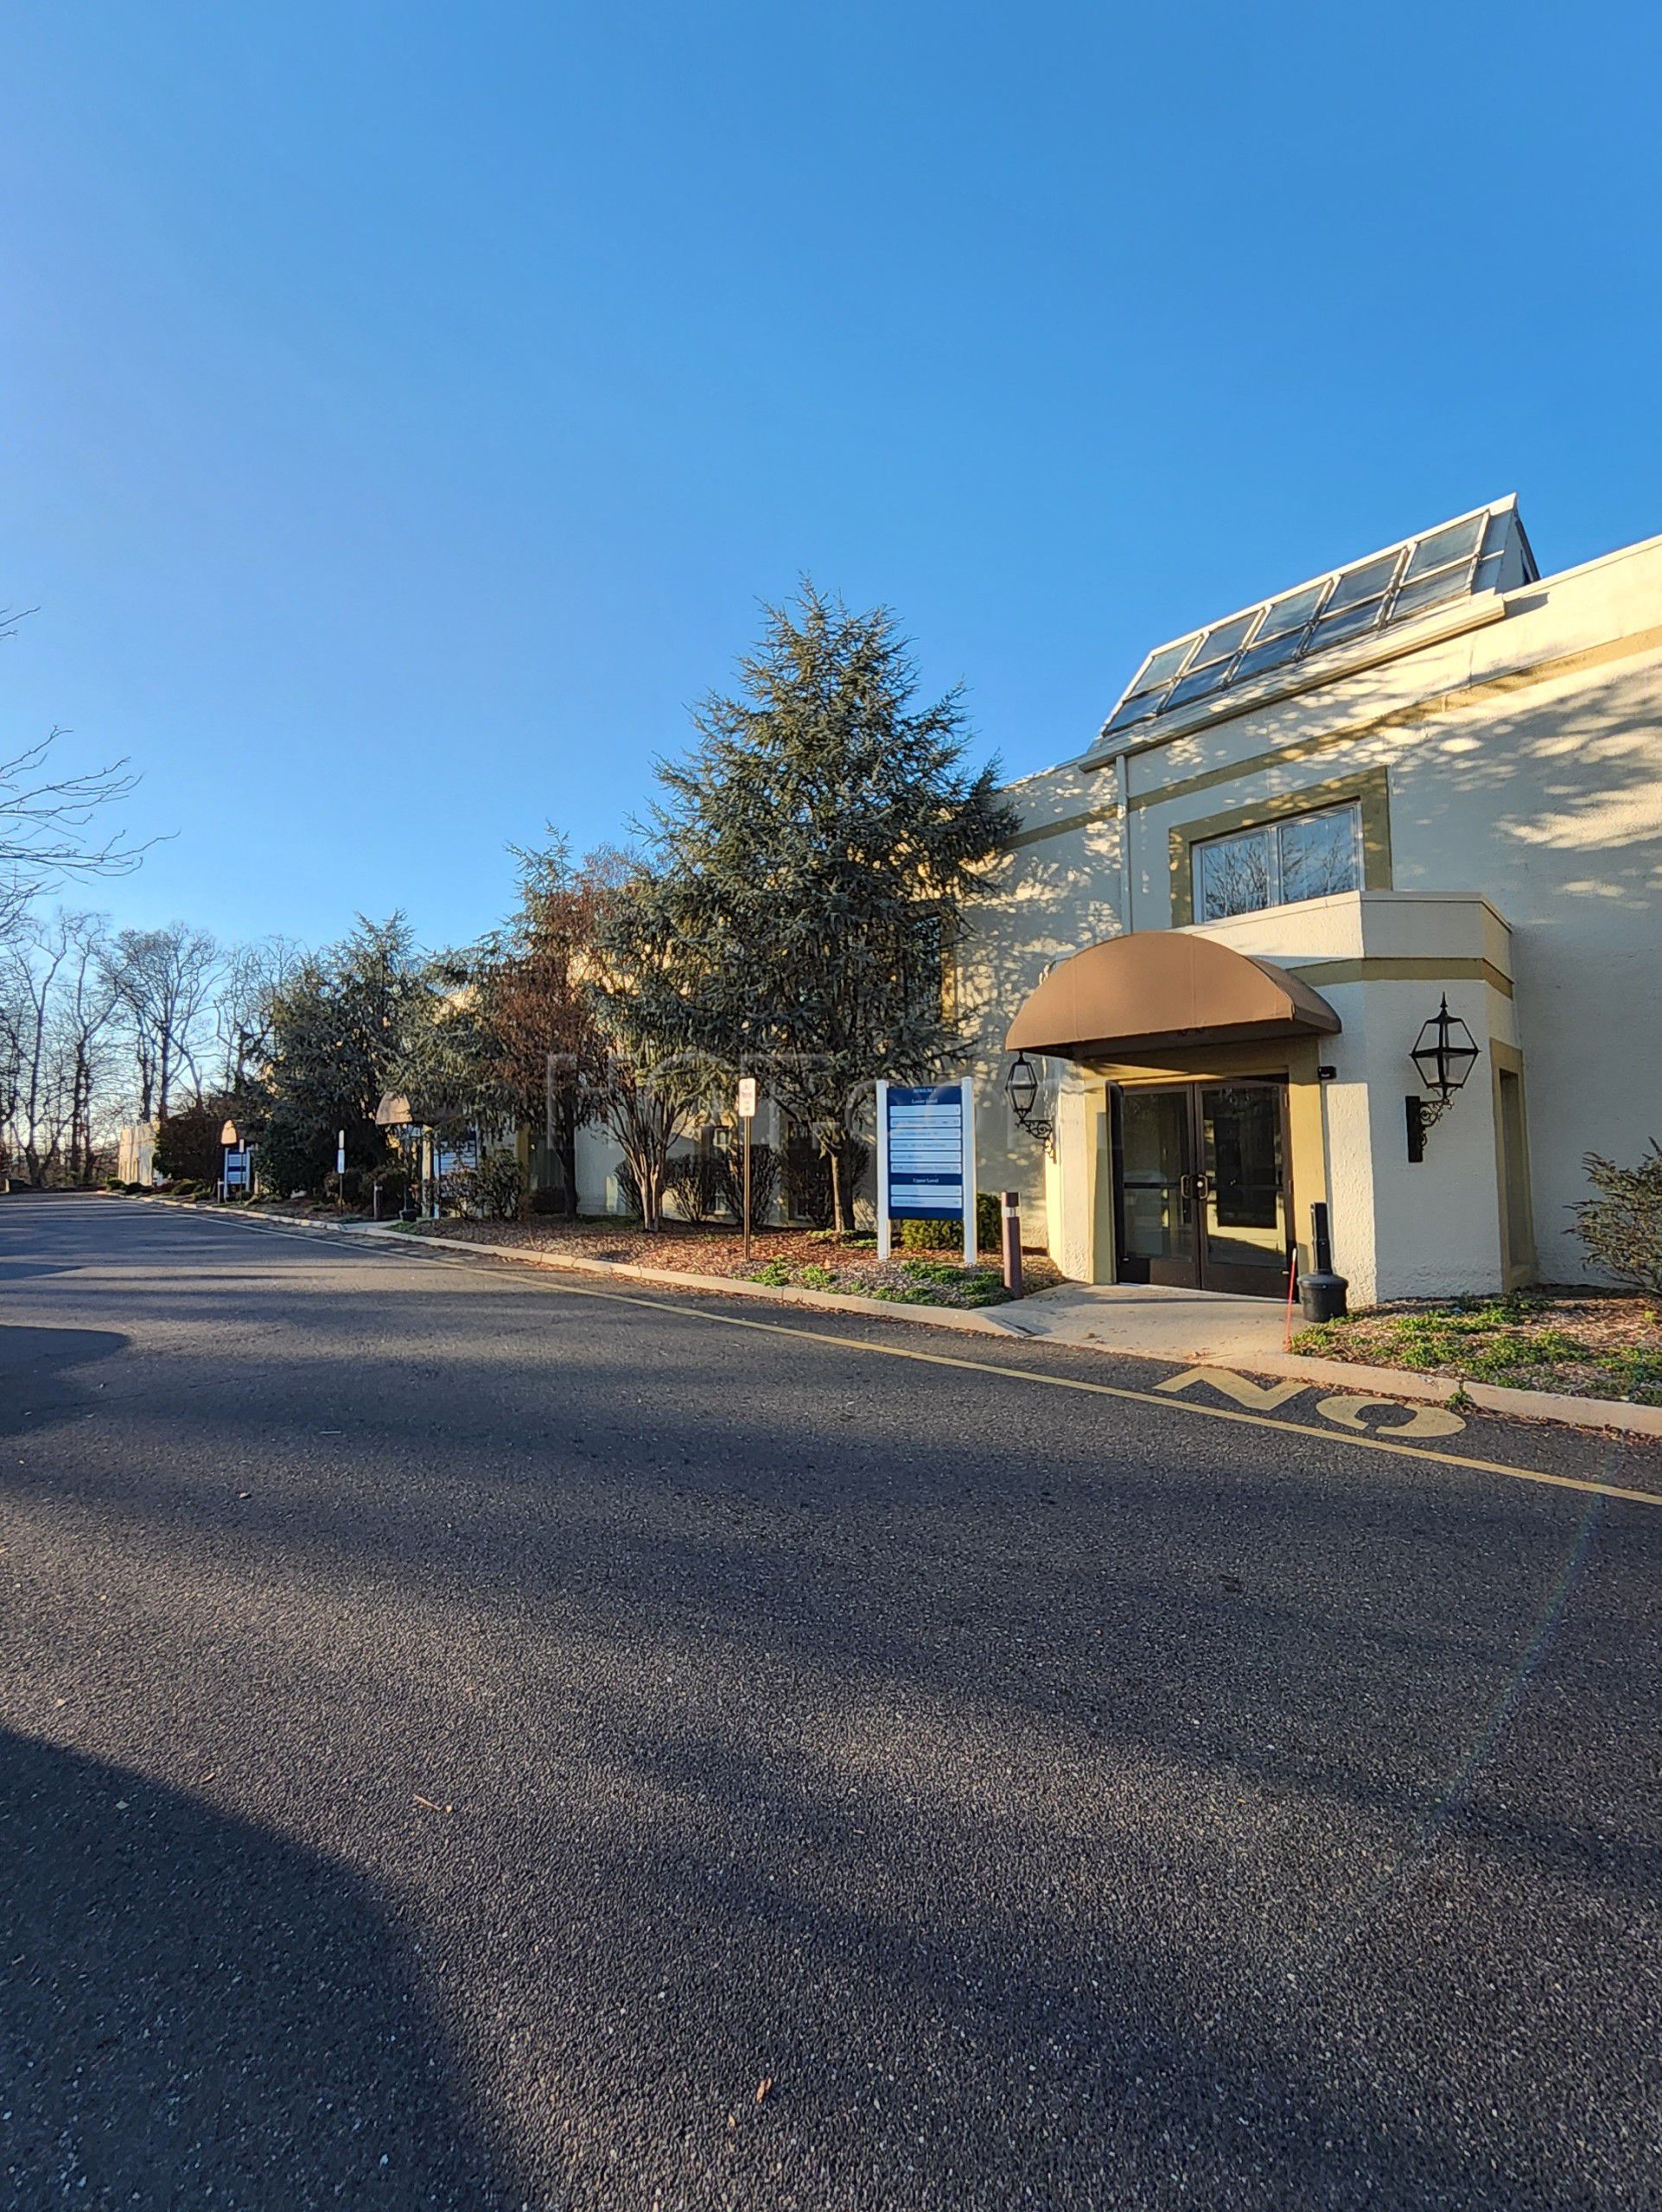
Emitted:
pixel 1306 856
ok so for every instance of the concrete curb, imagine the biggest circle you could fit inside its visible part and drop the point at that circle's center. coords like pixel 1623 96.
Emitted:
pixel 1441 1389
pixel 1342 1374
pixel 880 1309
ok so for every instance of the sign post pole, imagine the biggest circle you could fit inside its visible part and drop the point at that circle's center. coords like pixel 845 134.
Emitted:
pixel 882 1170
pixel 746 1115
pixel 970 1251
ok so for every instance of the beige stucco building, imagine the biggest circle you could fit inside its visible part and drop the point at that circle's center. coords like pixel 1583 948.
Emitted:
pixel 1430 773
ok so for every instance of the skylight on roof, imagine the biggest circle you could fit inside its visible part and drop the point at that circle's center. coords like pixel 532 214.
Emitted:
pixel 1485 550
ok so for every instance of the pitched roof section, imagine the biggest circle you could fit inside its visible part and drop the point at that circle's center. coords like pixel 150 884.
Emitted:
pixel 1483 551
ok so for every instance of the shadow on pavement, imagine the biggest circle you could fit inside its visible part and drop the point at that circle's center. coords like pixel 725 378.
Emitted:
pixel 192 2009
pixel 38 1382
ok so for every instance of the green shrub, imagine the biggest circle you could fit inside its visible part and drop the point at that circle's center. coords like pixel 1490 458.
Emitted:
pixel 188 1144
pixel 948 1235
pixel 1621 1230
pixel 501 1180
pixel 293 1153
pixel 489 1191
pixel 989 1220
pixel 931 1237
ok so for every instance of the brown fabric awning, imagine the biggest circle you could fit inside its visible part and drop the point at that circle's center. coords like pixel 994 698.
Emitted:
pixel 1162 988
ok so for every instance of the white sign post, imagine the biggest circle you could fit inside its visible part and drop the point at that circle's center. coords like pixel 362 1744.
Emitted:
pixel 746 1115
pixel 882 1169
pixel 925 1158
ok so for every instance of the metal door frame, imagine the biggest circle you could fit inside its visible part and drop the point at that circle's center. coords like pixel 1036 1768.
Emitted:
pixel 1196 1273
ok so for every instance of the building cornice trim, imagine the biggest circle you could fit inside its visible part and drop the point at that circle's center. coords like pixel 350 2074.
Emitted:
pixel 1385 968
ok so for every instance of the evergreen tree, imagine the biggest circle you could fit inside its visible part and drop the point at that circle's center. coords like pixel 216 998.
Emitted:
pixel 532 1000
pixel 806 870
pixel 342 1028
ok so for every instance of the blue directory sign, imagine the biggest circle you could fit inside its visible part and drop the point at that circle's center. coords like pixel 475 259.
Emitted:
pixel 926 1157
pixel 926 1151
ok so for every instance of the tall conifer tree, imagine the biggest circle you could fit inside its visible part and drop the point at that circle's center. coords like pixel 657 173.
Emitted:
pixel 805 868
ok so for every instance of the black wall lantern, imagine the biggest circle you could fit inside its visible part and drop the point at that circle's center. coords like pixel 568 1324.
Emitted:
pixel 1444 1054
pixel 1021 1090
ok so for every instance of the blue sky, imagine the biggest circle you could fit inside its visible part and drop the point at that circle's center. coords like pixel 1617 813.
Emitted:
pixel 406 406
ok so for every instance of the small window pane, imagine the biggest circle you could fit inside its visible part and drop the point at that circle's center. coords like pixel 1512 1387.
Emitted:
pixel 1226 641
pixel 1320 853
pixel 1197 683
pixel 1134 709
pixel 1290 614
pixel 1268 652
pixel 1431 591
pixel 1364 583
pixel 1163 666
pixel 1345 622
pixel 1459 541
pixel 1232 875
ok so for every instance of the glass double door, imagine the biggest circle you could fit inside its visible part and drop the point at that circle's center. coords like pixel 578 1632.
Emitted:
pixel 1202 1197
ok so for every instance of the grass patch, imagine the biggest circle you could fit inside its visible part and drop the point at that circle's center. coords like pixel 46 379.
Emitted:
pixel 911 1281
pixel 1583 1343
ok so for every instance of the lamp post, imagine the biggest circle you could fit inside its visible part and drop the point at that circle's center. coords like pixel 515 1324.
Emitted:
pixel 393 1113
pixel 1444 1054
pixel 230 1141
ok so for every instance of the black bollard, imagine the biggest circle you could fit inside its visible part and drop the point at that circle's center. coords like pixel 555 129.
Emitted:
pixel 1010 1210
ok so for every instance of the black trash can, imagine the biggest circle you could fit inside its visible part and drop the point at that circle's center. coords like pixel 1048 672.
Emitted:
pixel 1321 1294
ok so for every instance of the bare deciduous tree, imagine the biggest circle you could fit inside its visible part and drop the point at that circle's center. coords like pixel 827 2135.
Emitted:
pixel 55 1007
pixel 252 978
pixel 86 1007
pixel 34 954
pixel 164 979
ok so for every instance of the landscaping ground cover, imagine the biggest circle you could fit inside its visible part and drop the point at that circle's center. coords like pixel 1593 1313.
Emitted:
pixel 1588 1343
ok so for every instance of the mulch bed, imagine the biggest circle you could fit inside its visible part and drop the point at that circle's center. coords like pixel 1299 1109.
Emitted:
pixel 1586 1344
pixel 813 1259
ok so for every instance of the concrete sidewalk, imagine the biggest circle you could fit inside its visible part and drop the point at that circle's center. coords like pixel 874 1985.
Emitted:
pixel 1149 1320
